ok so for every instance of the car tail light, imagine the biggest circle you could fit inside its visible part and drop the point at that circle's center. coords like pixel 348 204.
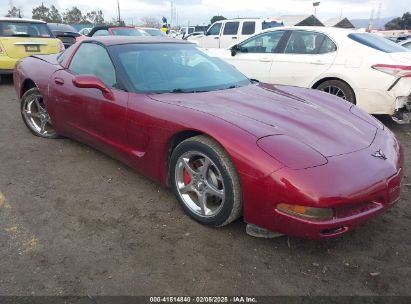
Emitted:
pixel 394 70
pixel 309 213
pixel 62 48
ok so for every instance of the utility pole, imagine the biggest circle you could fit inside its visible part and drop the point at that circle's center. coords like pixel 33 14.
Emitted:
pixel 171 13
pixel 118 8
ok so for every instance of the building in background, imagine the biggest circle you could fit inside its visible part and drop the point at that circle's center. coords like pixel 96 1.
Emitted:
pixel 300 20
pixel 341 22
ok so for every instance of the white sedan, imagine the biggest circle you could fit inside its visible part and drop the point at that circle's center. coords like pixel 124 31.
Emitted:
pixel 365 69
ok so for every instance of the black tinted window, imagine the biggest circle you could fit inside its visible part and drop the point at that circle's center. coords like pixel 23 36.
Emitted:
pixel 376 42
pixel 93 59
pixel 271 24
pixel 215 29
pixel 231 28
pixel 248 28
pixel 101 33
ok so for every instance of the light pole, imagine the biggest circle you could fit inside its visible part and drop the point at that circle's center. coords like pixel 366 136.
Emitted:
pixel 118 8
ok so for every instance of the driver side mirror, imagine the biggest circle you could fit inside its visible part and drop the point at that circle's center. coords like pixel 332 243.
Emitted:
pixel 234 50
pixel 92 82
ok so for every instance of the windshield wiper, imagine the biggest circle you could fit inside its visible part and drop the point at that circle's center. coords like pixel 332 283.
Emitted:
pixel 187 91
pixel 254 81
pixel 21 35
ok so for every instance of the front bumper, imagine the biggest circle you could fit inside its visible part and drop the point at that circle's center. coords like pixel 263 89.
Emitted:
pixel 357 186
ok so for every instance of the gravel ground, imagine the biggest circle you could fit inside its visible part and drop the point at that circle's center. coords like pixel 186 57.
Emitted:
pixel 76 222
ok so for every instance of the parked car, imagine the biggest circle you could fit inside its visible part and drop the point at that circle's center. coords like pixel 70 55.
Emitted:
pixel 24 37
pixel 153 31
pixel 85 31
pixel 109 30
pixel 365 69
pixel 406 44
pixel 66 33
pixel 224 33
pixel 184 31
pixel 193 34
pixel 291 160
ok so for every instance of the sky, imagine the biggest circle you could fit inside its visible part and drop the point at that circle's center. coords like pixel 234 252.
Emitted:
pixel 199 12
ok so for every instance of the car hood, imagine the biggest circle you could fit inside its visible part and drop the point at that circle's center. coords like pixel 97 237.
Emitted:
pixel 321 121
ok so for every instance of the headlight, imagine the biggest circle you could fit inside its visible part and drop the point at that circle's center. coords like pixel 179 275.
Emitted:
pixel 309 213
pixel 291 152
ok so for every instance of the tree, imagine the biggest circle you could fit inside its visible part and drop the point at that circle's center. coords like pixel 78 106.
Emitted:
pixel 95 17
pixel 14 11
pixel 72 16
pixel 41 12
pixel 150 22
pixel 217 18
pixel 54 15
pixel 400 23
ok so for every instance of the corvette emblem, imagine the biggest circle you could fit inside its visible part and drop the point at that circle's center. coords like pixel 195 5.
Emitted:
pixel 379 154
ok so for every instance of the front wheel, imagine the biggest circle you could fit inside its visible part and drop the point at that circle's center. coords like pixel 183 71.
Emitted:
pixel 35 115
pixel 339 89
pixel 205 181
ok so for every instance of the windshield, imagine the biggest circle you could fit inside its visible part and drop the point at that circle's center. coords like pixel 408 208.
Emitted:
pixel 24 29
pixel 179 68
pixel 376 42
pixel 128 32
pixel 62 27
pixel 155 32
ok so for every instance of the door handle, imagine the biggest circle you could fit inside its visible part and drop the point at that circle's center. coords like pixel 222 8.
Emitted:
pixel 318 62
pixel 265 59
pixel 59 81
pixel 233 37
pixel 216 38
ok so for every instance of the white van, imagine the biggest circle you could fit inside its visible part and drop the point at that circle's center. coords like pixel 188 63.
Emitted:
pixel 224 33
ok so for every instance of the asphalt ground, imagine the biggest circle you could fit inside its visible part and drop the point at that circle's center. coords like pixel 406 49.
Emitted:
pixel 76 222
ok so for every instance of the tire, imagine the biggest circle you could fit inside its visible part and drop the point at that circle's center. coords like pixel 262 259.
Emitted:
pixel 35 115
pixel 338 88
pixel 205 181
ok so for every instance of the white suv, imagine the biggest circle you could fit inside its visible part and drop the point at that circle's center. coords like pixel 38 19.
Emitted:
pixel 224 33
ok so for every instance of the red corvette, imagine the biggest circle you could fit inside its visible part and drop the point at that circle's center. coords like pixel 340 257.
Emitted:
pixel 295 161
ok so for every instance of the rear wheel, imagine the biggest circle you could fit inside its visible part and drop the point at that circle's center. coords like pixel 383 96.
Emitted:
pixel 35 115
pixel 205 181
pixel 338 88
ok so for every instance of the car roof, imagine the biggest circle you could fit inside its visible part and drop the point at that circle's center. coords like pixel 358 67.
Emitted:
pixel 21 20
pixel 118 40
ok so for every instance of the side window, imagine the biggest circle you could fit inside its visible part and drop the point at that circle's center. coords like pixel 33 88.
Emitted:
pixel 101 33
pixel 231 28
pixel 215 29
pixel 304 42
pixel 328 46
pixel 248 28
pixel 264 43
pixel 92 58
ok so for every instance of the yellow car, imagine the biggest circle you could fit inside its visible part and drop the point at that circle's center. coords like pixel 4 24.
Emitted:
pixel 20 38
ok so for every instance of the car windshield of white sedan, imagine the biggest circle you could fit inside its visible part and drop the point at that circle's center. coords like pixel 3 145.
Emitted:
pixel 376 42
pixel 178 68
pixel 24 29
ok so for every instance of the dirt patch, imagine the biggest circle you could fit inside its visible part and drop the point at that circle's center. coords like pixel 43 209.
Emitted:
pixel 90 225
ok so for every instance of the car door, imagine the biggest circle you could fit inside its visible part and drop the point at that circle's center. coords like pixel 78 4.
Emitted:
pixel 87 114
pixel 306 55
pixel 212 37
pixel 255 55
pixel 229 35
